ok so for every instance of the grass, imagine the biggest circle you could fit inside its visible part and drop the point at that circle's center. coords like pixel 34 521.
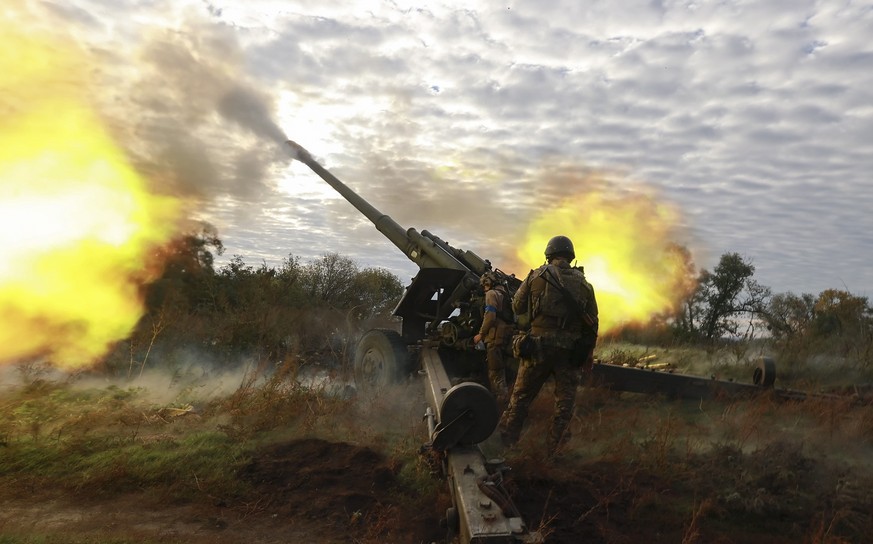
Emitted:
pixel 696 470
pixel 759 469
pixel 177 445
pixel 746 462
pixel 62 436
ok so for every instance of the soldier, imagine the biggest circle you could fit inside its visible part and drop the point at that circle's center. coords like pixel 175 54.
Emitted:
pixel 562 311
pixel 496 330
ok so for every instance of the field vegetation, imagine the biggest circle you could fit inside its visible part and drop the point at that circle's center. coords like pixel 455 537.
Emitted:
pixel 228 415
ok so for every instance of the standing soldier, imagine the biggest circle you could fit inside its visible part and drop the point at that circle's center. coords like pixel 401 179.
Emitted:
pixel 562 311
pixel 496 330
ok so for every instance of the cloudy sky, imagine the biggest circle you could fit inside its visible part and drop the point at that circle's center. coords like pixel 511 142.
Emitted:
pixel 753 119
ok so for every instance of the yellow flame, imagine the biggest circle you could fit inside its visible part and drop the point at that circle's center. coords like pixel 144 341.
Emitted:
pixel 77 225
pixel 625 244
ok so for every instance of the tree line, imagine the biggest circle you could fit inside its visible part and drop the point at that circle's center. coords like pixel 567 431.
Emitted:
pixel 730 305
pixel 239 310
pixel 223 314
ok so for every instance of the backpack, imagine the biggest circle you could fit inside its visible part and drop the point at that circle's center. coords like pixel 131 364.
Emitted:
pixel 553 302
pixel 505 312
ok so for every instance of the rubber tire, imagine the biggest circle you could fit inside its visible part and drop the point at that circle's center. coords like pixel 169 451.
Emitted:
pixel 765 373
pixel 381 358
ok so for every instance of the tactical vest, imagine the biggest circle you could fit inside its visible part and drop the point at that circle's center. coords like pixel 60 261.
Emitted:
pixel 548 301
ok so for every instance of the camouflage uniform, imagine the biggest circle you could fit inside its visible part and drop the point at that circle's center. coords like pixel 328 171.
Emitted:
pixel 496 333
pixel 564 344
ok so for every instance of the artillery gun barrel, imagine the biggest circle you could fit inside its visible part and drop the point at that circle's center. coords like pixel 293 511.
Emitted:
pixel 474 262
pixel 383 223
pixel 425 251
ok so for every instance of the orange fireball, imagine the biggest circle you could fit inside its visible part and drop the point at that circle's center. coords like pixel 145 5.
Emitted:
pixel 626 243
pixel 77 224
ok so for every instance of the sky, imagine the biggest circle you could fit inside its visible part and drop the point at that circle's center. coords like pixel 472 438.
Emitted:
pixel 753 120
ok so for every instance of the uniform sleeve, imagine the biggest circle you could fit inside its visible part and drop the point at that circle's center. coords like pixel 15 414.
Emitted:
pixel 492 301
pixel 519 301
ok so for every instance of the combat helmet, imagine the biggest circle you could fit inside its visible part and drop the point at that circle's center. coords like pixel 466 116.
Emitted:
pixel 489 277
pixel 560 246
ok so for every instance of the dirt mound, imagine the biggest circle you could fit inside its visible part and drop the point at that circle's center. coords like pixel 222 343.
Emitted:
pixel 321 480
pixel 603 502
pixel 347 488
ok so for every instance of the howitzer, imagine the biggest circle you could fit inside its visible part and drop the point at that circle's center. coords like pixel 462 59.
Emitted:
pixel 443 302
pixel 441 310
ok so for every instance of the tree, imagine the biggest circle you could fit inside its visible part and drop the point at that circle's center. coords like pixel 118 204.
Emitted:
pixel 187 271
pixel 287 282
pixel 252 311
pixel 330 280
pixel 840 313
pixel 846 321
pixel 377 291
pixel 722 298
pixel 789 316
pixel 836 322
pixel 184 287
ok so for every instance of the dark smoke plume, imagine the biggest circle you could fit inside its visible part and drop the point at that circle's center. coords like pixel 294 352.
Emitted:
pixel 251 110
pixel 183 105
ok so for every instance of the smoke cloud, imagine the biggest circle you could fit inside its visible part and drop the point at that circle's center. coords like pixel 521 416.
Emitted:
pixel 201 127
pixel 177 96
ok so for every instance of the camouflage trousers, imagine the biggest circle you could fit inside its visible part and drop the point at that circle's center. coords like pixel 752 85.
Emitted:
pixel 495 359
pixel 532 375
